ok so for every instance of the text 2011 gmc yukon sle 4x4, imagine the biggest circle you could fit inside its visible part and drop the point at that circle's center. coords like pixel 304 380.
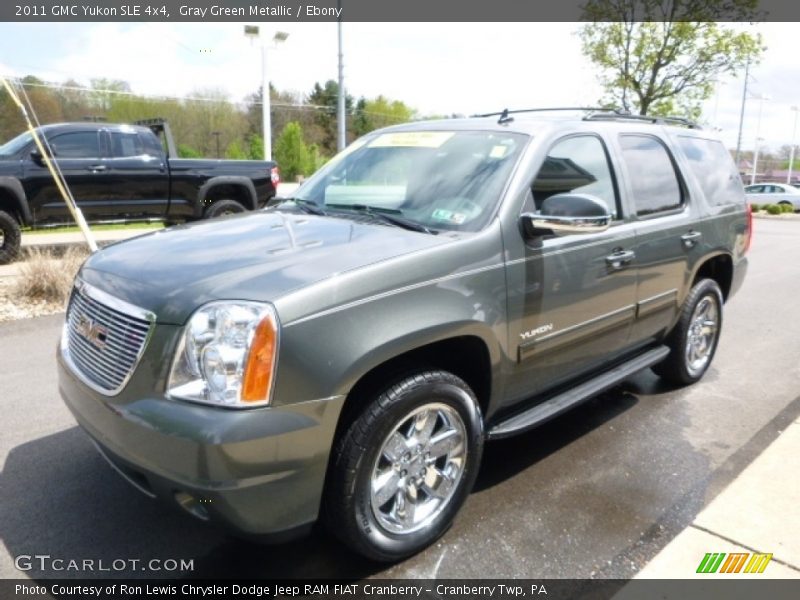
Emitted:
pixel 117 171
pixel 345 354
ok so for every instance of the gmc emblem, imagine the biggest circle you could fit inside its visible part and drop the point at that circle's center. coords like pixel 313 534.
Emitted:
pixel 92 332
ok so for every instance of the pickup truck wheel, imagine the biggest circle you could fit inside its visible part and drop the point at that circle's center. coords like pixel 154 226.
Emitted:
pixel 10 238
pixel 694 340
pixel 223 207
pixel 405 466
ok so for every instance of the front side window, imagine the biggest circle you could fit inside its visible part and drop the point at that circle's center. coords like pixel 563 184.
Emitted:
pixel 439 179
pixel 81 144
pixel 578 165
pixel 652 175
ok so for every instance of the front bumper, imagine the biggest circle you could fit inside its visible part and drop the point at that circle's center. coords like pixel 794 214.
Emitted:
pixel 259 472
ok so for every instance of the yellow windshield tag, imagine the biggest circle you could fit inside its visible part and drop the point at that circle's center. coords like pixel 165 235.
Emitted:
pixel 412 139
pixel 498 151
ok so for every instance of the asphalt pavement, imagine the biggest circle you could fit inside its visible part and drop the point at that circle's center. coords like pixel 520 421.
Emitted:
pixel 602 492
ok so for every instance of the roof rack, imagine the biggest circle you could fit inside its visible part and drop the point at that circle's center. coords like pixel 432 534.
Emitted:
pixel 617 115
pixel 597 114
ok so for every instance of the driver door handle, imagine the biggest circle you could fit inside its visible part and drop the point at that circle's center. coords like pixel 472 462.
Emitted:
pixel 97 168
pixel 690 239
pixel 620 258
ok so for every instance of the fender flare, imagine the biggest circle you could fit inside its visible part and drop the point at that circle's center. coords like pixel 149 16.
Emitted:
pixel 14 188
pixel 238 181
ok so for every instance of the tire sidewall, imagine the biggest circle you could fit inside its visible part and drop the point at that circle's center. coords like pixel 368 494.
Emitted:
pixel 703 289
pixel 12 237
pixel 218 208
pixel 394 546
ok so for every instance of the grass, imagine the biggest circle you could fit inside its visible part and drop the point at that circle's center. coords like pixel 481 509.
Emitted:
pixel 45 277
pixel 107 227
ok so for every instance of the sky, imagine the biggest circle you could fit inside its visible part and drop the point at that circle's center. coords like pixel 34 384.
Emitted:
pixel 436 68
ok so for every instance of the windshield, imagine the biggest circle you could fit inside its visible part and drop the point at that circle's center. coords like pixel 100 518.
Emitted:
pixel 12 147
pixel 438 179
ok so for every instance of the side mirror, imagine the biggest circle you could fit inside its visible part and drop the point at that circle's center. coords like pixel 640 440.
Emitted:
pixel 37 157
pixel 564 214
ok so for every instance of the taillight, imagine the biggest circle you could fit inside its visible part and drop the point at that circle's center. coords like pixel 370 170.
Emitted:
pixel 275 175
pixel 749 230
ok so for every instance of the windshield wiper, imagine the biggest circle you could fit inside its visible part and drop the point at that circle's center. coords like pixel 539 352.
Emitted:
pixel 387 215
pixel 307 206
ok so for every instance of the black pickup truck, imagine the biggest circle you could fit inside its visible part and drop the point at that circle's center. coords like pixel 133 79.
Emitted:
pixel 121 171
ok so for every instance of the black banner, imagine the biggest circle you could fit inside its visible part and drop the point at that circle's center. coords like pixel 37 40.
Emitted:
pixel 346 10
pixel 399 589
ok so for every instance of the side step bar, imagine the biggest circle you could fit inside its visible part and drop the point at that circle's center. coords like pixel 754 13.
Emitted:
pixel 566 400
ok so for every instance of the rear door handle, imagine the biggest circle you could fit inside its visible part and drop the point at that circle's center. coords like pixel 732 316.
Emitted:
pixel 690 239
pixel 620 259
pixel 97 168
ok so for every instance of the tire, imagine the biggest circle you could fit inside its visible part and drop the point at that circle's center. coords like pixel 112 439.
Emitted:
pixel 387 442
pixel 694 339
pixel 224 207
pixel 10 238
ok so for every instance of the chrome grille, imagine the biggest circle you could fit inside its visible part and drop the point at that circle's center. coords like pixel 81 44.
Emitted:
pixel 104 337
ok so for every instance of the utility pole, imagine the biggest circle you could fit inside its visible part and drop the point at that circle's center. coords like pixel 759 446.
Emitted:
pixel 741 114
pixel 342 124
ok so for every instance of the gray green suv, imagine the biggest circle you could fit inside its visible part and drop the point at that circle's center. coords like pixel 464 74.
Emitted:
pixel 344 354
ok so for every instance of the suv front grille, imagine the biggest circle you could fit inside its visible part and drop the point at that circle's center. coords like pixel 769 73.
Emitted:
pixel 104 338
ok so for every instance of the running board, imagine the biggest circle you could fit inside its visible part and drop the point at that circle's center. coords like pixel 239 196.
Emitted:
pixel 566 400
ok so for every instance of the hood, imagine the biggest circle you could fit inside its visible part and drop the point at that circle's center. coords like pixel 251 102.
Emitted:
pixel 256 256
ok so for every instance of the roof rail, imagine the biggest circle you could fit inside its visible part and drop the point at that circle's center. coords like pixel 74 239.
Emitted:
pixel 507 112
pixel 607 115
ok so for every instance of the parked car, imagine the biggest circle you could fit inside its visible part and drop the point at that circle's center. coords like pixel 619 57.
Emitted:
pixel 121 171
pixel 773 193
pixel 345 354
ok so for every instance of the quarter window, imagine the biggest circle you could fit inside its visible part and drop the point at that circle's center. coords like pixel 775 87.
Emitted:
pixel 652 175
pixel 714 169
pixel 576 164
pixel 124 145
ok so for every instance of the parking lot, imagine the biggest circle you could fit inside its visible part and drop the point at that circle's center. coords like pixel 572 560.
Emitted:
pixel 595 493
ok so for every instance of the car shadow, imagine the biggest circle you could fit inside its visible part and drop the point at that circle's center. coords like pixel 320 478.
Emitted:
pixel 58 497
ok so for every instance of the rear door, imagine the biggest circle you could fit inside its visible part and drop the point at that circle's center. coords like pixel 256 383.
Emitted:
pixel 137 174
pixel 572 297
pixel 668 236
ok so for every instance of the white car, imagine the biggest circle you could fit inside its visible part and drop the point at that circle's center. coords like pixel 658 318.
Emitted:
pixel 773 193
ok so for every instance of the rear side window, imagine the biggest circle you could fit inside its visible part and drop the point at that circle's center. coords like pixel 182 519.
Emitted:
pixel 82 144
pixel 654 181
pixel 714 169
pixel 125 144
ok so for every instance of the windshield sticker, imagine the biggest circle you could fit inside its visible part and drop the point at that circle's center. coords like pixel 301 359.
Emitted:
pixel 440 214
pixel 412 139
pixel 498 151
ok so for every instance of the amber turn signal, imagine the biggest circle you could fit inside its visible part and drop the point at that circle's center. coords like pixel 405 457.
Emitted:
pixel 260 364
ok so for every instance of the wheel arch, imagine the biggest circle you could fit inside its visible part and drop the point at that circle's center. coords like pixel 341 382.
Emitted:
pixel 236 188
pixel 12 200
pixel 718 267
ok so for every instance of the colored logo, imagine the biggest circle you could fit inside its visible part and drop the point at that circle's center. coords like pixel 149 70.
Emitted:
pixel 736 562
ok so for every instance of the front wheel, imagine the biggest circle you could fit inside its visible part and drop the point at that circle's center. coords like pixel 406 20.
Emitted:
pixel 404 467
pixel 223 207
pixel 694 340
pixel 10 238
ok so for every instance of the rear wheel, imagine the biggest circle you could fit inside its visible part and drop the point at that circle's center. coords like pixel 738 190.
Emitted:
pixel 224 207
pixel 694 340
pixel 405 466
pixel 10 238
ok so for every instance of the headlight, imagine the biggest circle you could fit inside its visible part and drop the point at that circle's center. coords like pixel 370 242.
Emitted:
pixel 227 355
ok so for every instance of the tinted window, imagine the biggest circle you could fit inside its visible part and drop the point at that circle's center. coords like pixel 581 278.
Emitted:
pixel 713 167
pixel 125 144
pixel 83 144
pixel 754 189
pixel 576 164
pixel 654 182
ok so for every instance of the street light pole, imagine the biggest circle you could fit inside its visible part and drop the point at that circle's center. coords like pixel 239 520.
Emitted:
pixel 741 113
pixel 761 98
pixel 791 152
pixel 340 116
pixel 252 31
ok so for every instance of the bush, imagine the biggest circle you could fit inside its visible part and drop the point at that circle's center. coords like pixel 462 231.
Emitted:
pixel 44 276
pixel 755 207
pixel 291 152
pixel 773 209
pixel 787 208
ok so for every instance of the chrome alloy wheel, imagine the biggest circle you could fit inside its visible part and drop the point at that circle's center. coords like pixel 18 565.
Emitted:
pixel 418 468
pixel 702 335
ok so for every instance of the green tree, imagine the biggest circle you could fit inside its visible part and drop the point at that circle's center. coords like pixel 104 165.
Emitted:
pixel 379 112
pixel 235 151
pixel 291 152
pixel 325 99
pixel 663 56
pixel 185 151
